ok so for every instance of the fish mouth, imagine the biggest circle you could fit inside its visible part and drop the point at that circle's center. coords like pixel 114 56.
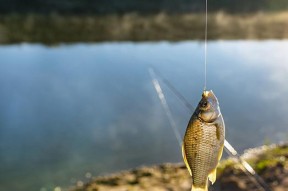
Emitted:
pixel 206 93
pixel 209 95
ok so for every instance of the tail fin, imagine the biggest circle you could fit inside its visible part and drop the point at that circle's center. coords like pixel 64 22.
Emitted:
pixel 199 189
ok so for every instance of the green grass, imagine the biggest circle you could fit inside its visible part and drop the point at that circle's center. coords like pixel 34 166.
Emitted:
pixel 267 159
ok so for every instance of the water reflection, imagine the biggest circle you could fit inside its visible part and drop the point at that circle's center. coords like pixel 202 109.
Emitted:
pixel 75 110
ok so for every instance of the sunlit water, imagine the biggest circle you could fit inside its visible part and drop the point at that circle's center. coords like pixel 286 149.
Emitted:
pixel 72 110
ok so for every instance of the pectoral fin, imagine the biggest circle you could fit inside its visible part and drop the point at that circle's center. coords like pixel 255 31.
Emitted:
pixel 212 176
pixel 220 153
pixel 185 160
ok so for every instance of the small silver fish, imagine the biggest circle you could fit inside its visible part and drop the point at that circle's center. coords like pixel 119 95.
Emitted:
pixel 204 141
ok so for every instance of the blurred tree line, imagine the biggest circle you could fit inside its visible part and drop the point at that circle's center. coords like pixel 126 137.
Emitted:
pixel 104 7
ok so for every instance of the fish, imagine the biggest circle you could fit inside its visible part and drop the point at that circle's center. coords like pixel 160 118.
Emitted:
pixel 203 142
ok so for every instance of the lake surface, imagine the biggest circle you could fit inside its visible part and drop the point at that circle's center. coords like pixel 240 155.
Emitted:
pixel 71 111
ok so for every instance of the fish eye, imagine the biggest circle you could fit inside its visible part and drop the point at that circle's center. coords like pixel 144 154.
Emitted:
pixel 204 104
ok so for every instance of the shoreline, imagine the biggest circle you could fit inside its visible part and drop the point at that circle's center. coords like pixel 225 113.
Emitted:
pixel 55 28
pixel 270 162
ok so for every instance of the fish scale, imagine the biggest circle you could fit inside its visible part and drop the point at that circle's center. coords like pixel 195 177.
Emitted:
pixel 200 169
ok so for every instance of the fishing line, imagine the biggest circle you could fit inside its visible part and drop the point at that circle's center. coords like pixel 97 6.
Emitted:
pixel 246 168
pixel 205 46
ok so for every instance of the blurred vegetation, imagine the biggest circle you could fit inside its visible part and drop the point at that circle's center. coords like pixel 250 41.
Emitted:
pixel 56 28
pixel 139 6
pixel 70 21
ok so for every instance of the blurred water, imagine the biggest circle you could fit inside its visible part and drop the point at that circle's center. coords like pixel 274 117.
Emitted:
pixel 73 109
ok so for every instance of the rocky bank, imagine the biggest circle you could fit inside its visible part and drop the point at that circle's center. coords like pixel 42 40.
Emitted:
pixel 270 162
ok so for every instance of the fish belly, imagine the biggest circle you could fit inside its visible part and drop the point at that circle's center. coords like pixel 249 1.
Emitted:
pixel 202 149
